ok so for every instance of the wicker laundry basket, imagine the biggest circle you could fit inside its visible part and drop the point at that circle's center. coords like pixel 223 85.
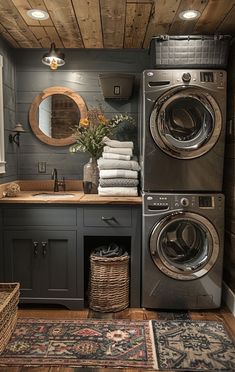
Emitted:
pixel 185 51
pixel 109 283
pixel 9 298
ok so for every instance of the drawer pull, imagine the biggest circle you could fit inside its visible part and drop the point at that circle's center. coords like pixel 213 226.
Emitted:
pixel 106 219
pixel 44 248
pixel 35 244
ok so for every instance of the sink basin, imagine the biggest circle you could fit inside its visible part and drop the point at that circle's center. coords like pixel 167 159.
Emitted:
pixel 48 195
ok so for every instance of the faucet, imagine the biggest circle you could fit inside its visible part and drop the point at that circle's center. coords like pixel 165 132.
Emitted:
pixel 57 183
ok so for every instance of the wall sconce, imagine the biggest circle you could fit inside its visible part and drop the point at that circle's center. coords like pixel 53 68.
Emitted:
pixel 54 58
pixel 16 137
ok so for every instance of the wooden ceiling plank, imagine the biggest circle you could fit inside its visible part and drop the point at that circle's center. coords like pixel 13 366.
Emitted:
pixel 15 24
pixel 54 37
pixel 181 27
pixel 163 13
pixel 113 15
pixel 140 1
pixel 63 17
pixel 213 15
pixel 89 21
pixel 41 36
pixel 109 23
pixel 23 40
pixel 227 25
pixel 24 5
pixel 8 37
pixel 137 16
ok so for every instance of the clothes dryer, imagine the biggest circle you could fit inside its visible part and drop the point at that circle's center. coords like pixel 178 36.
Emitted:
pixel 182 257
pixel 182 121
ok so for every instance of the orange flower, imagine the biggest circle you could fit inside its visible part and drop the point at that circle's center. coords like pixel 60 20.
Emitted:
pixel 84 123
pixel 103 119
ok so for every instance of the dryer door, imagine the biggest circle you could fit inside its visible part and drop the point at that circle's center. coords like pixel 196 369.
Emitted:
pixel 184 245
pixel 186 122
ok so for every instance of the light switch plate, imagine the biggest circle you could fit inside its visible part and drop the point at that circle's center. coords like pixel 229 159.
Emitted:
pixel 42 167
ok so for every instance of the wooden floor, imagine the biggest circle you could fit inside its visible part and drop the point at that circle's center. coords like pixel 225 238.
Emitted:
pixel 222 314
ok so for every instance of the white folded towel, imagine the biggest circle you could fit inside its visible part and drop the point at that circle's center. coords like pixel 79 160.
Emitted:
pixel 115 143
pixel 109 155
pixel 118 164
pixel 118 150
pixel 118 182
pixel 118 173
pixel 117 191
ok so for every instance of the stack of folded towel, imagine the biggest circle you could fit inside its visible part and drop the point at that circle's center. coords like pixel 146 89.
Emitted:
pixel 118 170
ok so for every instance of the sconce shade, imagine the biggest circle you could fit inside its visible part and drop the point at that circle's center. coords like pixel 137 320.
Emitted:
pixel 16 137
pixel 18 128
pixel 54 58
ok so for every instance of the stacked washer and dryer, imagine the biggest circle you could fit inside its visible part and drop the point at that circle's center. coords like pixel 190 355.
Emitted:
pixel 182 155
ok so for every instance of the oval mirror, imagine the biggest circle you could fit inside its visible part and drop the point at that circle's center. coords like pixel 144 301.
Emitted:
pixel 54 113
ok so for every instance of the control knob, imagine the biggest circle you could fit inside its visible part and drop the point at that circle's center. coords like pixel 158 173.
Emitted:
pixel 184 202
pixel 186 77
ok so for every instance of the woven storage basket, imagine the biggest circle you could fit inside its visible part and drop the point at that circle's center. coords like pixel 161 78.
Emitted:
pixel 9 298
pixel 109 283
pixel 185 51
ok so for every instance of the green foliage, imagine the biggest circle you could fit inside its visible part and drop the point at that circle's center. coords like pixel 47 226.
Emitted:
pixel 90 132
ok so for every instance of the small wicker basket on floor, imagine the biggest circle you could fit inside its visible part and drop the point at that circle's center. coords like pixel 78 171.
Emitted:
pixel 9 298
pixel 109 283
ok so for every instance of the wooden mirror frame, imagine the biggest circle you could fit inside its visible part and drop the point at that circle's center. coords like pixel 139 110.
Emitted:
pixel 33 114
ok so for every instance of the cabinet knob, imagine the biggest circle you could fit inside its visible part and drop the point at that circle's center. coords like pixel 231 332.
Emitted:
pixel 44 248
pixel 35 244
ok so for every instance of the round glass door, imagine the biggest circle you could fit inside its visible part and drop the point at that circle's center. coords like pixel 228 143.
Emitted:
pixel 184 245
pixel 186 122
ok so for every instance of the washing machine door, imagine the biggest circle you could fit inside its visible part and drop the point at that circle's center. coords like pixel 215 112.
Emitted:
pixel 184 246
pixel 186 122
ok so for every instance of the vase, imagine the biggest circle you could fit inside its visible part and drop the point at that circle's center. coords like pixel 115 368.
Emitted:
pixel 91 176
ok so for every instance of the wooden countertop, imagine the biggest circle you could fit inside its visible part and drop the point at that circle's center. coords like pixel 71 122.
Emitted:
pixel 28 197
pixel 96 199
pixel 30 188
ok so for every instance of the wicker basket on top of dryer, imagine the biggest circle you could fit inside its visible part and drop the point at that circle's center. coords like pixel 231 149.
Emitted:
pixel 195 51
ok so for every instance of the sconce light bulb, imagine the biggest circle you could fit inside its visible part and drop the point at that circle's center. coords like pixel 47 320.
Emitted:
pixel 53 64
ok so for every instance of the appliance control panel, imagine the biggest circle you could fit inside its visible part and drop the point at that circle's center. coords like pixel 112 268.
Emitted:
pixel 213 78
pixel 154 202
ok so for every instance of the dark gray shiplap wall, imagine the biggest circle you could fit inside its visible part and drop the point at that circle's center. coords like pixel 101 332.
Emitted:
pixel 9 111
pixel 80 73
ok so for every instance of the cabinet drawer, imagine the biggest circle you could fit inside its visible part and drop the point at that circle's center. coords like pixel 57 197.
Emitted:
pixel 39 216
pixel 107 217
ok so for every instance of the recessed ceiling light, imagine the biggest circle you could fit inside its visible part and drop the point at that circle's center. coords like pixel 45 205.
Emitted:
pixel 189 14
pixel 38 14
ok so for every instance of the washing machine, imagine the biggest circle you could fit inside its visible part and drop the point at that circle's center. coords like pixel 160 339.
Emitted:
pixel 182 123
pixel 182 258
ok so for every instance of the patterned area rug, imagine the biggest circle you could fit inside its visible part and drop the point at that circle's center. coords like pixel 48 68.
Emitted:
pixel 76 343
pixel 193 346
pixel 169 344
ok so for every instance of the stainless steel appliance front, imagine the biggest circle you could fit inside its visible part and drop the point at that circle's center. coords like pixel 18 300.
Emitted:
pixel 182 130
pixel 182 250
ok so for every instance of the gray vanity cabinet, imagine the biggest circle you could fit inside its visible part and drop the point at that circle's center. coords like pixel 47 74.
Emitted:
pixel 47 248
pixel 40 252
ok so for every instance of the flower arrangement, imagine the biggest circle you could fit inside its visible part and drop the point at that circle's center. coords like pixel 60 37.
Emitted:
pixel 91 130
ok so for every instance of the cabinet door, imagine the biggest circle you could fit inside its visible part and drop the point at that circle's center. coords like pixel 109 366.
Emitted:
pixel 43 262
pixel 58 264
pixel 22 261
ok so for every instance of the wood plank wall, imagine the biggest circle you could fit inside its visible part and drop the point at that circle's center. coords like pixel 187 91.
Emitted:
pixel 229 177
pixel 80 73
pixel 9 111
